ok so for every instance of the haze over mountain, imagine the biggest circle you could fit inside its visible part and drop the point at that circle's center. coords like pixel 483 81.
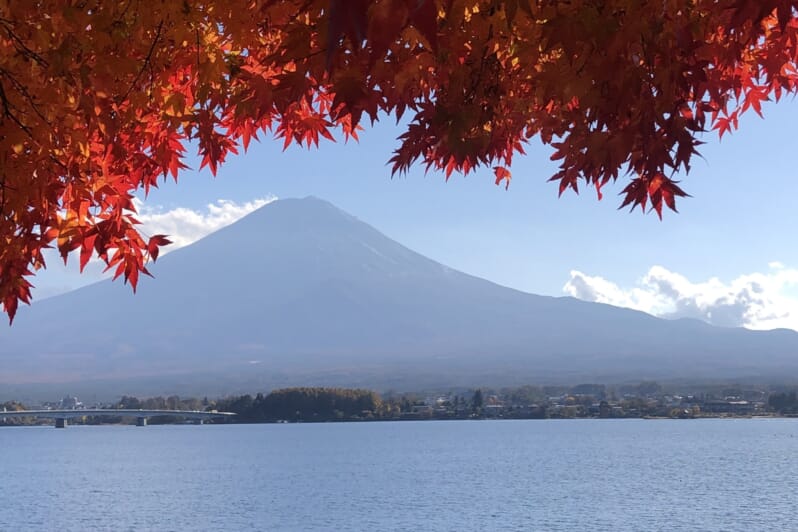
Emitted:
pixel 301 293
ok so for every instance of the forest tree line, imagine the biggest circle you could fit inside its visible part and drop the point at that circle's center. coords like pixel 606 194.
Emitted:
pixel 304 404
pixel 784 402
pixel 313 404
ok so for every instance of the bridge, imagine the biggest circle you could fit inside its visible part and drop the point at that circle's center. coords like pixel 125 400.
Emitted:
pixel 61 416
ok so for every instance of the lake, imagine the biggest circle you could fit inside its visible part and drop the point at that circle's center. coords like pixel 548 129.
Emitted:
pixel 706 474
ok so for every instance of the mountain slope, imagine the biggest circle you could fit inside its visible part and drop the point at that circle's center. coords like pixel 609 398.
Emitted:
pixel 300 291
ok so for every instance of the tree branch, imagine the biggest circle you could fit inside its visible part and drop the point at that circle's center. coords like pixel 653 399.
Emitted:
pixel 7 111
pixel 21 46
pixel 21 89
pixel 146 61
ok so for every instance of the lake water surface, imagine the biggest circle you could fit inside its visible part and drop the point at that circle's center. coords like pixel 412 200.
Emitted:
pixel 709 474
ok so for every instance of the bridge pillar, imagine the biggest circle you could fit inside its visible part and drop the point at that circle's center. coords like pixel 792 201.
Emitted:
pixel 60 423
pixel 141 422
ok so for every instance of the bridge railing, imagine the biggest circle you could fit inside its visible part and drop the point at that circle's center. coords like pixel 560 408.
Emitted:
pixel 141 415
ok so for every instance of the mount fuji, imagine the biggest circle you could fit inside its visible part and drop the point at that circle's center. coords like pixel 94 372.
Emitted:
pixel 301 293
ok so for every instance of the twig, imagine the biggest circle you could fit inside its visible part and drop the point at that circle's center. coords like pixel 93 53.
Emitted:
pixel 21 46
pixel 21 89
pixel 146 61
pixel 7 107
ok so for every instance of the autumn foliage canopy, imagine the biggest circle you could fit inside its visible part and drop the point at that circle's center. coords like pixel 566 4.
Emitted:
pixel 100 99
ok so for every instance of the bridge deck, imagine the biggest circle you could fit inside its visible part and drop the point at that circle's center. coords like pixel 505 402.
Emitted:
pixel 69 414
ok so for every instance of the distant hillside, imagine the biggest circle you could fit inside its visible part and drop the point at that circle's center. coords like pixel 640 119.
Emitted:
pixel 301 293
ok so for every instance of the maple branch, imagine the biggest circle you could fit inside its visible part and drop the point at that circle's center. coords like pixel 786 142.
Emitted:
pixel 3 194
pixel 477 83
pixel 59 163
pixel 301 10
pixel 196 34
pixel 21 46
pixel 146 61
pixel 121 16
pixel 304 58
pixel 3 187
pixel 21 89
pixel 7 107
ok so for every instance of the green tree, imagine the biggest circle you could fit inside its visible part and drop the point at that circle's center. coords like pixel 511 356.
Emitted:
pixel 477 402
pixel 649 388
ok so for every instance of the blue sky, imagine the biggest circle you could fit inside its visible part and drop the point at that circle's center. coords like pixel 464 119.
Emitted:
pixel 727 257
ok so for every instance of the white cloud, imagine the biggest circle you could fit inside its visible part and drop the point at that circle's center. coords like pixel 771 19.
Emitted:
pixel 755 300
pixel 184 226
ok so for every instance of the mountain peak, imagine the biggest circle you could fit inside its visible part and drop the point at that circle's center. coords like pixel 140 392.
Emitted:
pixel 298 212
pixel 312 294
